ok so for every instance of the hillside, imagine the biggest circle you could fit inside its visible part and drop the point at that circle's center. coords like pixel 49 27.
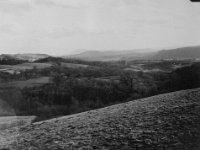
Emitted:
pixel 179 53
pixel 111 55
pixel 167 121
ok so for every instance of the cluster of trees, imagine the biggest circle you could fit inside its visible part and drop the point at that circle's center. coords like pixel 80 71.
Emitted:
pixel 58 60
pixel 166 65
pixel 184 78
pixel 21 75
pixel 8 60
pixel 68 94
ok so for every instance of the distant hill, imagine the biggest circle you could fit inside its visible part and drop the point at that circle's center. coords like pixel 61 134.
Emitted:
pixel 110 55
pixel 179 53
pixel 166 121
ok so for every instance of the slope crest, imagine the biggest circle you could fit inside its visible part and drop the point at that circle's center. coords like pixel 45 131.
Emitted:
pixel 166 121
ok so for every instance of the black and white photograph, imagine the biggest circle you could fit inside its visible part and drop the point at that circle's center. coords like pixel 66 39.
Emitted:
pixel 99 74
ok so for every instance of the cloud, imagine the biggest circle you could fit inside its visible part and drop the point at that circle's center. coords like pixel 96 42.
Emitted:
pixel 10 29
pixel 7 29
pixel 62 32
pixel 13 6
pixel 74 24
pixel 56 3
pixel 86 3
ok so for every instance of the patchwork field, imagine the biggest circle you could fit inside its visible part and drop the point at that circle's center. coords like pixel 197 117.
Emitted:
pixel 21 67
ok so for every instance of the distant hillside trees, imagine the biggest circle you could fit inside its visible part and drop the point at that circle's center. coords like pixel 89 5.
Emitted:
pixel 6 60
pixel 184 78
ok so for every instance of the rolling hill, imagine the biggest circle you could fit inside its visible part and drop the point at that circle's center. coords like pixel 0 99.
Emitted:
pixel 111 55
pixel 179 53
pixel 166 121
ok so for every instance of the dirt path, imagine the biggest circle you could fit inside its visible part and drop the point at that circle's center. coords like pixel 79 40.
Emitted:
pixel 164 122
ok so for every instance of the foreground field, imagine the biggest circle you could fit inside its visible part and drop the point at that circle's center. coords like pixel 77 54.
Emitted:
pixel 169 121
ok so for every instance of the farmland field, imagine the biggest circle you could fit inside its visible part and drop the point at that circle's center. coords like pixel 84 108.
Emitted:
pixel 37 65
pixel 21 67
pixel 27 83
pixel 156 66
pixel 72 65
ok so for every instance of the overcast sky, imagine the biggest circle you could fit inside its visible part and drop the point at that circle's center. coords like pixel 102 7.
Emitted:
pixel 61 26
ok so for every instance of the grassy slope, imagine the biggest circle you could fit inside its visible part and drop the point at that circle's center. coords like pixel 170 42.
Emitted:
pixel 168 121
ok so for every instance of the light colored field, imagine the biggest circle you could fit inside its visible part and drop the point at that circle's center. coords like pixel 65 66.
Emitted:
pixel 27 83
pixel 21 67
pixel 72 65
pixel 15 121
pixel 143 70
pixel 108 78
pixel 32 65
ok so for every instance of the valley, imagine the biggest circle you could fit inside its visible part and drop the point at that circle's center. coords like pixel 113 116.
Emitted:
pixel 123 101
